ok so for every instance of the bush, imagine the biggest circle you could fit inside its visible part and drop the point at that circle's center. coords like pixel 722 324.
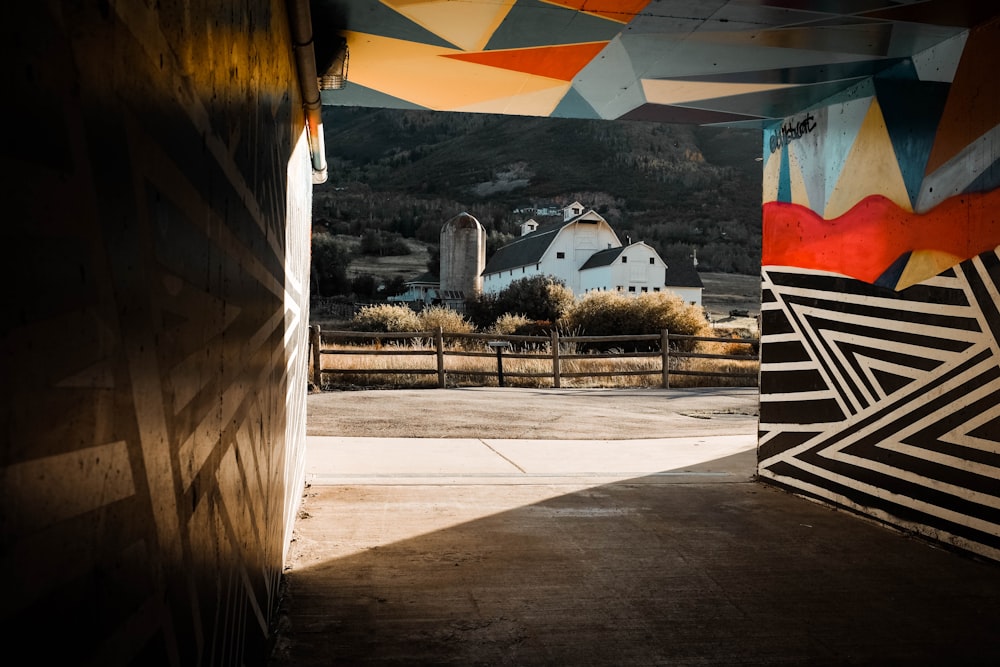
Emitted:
pixel 612 314
pixel 449 320
pixel 536 297
pixel 509 324
pixel 387 318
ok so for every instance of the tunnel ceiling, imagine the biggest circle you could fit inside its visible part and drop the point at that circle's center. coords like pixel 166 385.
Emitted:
pixel 735 62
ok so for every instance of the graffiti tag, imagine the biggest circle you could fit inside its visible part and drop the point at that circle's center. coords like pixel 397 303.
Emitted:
pixel 791 131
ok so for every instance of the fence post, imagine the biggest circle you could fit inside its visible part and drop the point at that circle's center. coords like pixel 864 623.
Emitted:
pixel 556 381
pixel 665 355
pixel 315 343
pixel 439 343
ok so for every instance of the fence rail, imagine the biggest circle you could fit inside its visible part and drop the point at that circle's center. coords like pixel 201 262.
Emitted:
pixel 553 349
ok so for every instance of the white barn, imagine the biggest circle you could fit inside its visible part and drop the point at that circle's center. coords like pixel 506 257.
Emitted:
pixel 584 252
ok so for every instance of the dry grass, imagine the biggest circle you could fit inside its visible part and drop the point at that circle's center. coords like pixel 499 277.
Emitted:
pixel 463 371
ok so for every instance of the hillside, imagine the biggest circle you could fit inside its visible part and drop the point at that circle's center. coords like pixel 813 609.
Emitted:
pixel 683 189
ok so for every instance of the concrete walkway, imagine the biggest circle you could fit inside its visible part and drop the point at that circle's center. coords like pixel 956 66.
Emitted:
pixel 482 551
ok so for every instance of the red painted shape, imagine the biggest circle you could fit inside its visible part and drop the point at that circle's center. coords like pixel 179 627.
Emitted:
pixel 555 62
pixel 622 11
pixel 866 240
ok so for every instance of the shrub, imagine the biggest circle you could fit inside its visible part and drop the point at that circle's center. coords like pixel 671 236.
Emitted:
pixel 508 324
pixel 535 297
pixel 449 320
pixel 384 317
pixel 612 314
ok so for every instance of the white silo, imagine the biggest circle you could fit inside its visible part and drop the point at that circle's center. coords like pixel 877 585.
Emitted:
pixel 463 257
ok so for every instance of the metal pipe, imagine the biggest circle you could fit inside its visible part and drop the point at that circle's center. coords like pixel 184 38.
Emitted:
pixel 300 21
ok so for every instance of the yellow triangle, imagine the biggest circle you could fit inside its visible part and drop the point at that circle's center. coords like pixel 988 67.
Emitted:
pixel 665 91
pixel 772 176
pixel 467 25
pixel 871 168
pixel 541 102
pixel 924 264
pixel 419 74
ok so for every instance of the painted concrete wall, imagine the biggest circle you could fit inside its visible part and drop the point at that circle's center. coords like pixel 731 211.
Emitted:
pixel 880 378
pixel 153 334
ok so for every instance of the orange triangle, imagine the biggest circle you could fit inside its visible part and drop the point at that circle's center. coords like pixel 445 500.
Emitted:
pixel 622 11
pixel 554 62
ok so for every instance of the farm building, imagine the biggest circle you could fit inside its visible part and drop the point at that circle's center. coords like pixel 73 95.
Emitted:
pixel 584 251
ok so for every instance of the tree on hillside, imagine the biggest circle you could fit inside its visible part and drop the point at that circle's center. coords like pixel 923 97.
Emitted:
pixel 329 266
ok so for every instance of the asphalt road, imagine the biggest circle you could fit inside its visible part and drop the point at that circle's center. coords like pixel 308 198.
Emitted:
pixel 523 413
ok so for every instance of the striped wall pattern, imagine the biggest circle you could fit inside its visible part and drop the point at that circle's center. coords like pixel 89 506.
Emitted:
pixel 880 370
pixel 886 402
pixel 153 343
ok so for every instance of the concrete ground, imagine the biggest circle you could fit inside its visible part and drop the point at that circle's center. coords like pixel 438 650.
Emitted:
pixel 613 549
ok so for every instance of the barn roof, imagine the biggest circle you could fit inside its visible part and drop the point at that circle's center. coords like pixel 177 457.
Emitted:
pixel 682 274
pixel 603 258
pixel 424 279
pixel 528 249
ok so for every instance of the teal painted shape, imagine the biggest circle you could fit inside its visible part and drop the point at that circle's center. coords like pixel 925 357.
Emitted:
pixel 375 18
pixel 784 177
pixel 770 128
pixel 573 105
pixel 533 23
pixel 355 95
pixel 912 110
pixel 902 71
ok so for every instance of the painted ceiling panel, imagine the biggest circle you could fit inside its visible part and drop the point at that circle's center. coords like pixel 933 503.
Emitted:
pixel 536 23
pixel 622 11
pixel 714 61
pixel 556 62
pixel 468 25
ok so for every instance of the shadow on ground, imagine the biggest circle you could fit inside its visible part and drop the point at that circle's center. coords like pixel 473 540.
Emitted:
pixel 667 569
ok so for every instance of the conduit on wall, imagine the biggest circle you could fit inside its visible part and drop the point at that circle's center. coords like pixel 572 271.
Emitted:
pixel 300 20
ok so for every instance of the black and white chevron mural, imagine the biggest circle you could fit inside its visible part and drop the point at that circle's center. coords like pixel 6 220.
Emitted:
pixel 887 401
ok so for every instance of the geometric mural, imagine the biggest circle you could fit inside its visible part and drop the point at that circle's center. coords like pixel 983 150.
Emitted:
pixel 880 366
pixel 885 400
pixel 731 63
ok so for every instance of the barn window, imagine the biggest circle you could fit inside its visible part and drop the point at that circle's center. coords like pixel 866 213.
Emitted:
pixel 645 289
pixel 652 260
pixel 624 260
pixel 631 288
pixel 560 255
pixel 656 289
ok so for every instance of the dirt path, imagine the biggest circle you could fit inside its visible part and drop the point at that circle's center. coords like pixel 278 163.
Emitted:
pixel 510 412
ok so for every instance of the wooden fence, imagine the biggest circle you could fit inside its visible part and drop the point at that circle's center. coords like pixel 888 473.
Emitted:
pixel 554 349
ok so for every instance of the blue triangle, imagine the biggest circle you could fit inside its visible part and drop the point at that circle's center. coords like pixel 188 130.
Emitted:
pixel 912 111
pixel 356 95
pixel 987 181
pixel 573 105
pixel 890 277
